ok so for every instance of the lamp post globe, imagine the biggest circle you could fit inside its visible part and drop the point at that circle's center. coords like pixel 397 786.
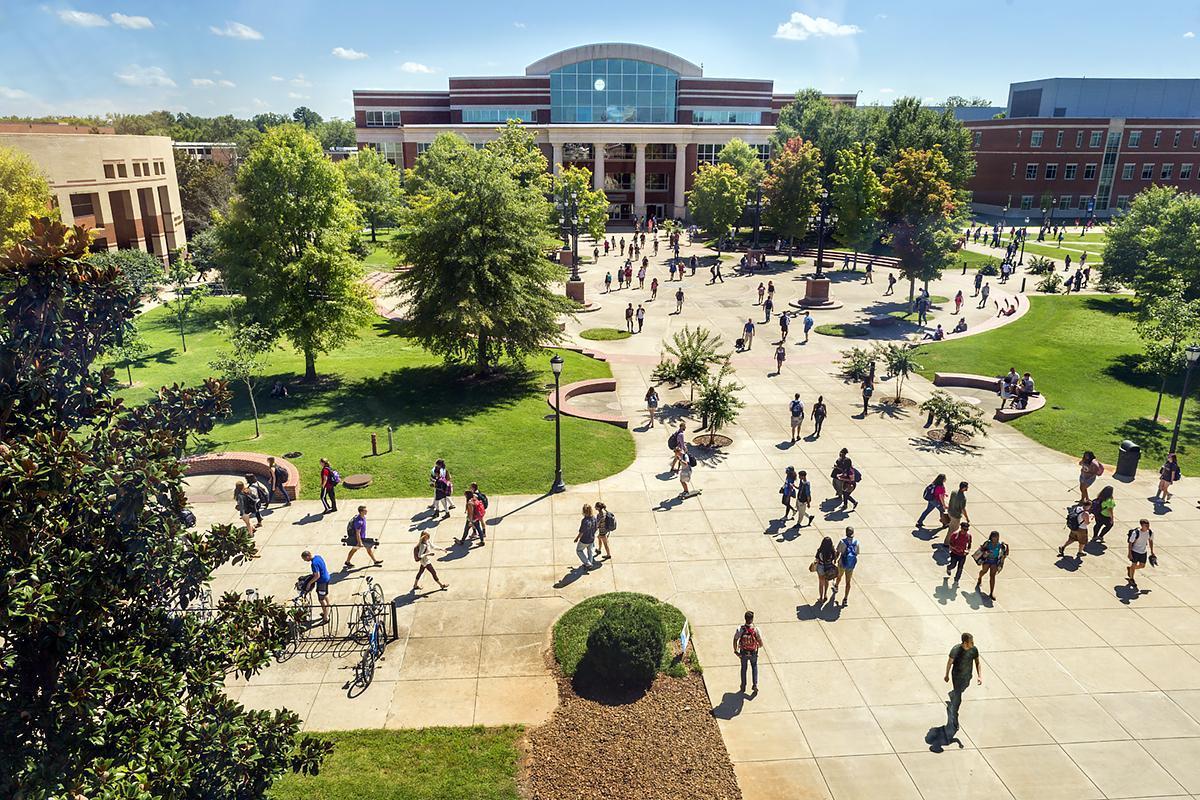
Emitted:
pixel 556 366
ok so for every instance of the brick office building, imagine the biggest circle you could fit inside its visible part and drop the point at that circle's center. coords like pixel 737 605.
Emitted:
pixel 641 119
pixel 1083 146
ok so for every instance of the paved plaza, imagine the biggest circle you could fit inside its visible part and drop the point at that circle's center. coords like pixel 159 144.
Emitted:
pixel 1091 690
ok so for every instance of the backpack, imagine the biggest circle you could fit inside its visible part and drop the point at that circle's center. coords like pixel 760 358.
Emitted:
pixel 868 390
pixel 691 460
pixel 280 475
pixel 1073 520
pixel 850 554
pixel 482 498
pixel 351 536
pixel 610 521
pixel 673 441
pixel 1098 468
pixel 928 494
pixel 747 639
pixel 416 552
pixel 335 477
pixel 797 408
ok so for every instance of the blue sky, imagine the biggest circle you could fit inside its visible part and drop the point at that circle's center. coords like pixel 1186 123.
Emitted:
pixel 223 56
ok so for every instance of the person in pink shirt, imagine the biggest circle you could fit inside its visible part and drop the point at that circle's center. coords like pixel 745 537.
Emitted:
pixel 935 498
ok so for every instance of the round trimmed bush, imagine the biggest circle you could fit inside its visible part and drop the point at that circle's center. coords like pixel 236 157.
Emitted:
pixel 625 645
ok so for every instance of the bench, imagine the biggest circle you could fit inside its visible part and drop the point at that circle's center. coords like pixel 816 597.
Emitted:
pixel 244 464
pixel 966 380
pixel 578 388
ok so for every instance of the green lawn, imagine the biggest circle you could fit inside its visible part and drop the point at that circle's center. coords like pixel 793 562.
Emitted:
pixel 425 764
pixel 380 257
pixel 1072 245
pixel 604 334
pixel 847 330
pixel 492 431
pixel 1081 351
pixel 572 629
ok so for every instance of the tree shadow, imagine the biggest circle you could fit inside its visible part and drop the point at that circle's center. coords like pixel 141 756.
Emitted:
pixel 926 445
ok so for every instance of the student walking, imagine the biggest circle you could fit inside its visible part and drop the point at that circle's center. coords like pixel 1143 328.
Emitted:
pixel 891 287
pixel 956 510
pixel 762 290
pixel 768 307
pixel 1168 473
pixel 319 580
pixel 960 545
pixel 606 523
pixel 1141 542
pixel 246 505
pixel 849 478
pixel 651 405
pixel 654 288
pixel 958 301
pixel 935 498
pixel 679 300
pixel 629 318
pixel 586 538
pixel 1090 468
pixel 687 462
pixel 1078 521
pixel 423 555
pixel 780 357
pixel 443 487
pixel 748 334
pixel 788 491
pixel 803 498
pixel 747 641
pixel 279 477
pixel 825 565
pixel 868 389
pixel 783 327
pixel 678 445
pixel 1103 510
pixel 964 658
pixel 818 416
pixel 356 536
pixel 990 557
pixel 641 316
pixel 983 295
pixel 329 480
pixel 607 282
pixel 808 325
pixel 796 409
pixel 847 560
pixel 475 511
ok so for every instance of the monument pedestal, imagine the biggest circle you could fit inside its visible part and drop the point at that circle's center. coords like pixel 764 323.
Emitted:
pixel 816 296
pixel 566 258
pixel 575 291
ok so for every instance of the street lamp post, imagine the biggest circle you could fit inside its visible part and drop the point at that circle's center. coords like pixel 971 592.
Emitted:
pixel 569 206
pixel 556 365
pixel 824 206
pixel 1024 230
pixel 1193 355
pixel 757 213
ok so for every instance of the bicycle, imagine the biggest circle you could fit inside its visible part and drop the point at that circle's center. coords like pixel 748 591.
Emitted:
pixel 369 609
pixel 298 619
pixel 372 651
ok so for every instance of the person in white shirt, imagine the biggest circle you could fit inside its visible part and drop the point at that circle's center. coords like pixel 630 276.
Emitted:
pixel 1141 544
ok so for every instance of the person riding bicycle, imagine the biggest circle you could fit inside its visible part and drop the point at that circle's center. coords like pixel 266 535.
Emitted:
pixel 320 580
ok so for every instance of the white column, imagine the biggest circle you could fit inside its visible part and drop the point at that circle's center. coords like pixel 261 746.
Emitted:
pixel 556 158
pixel 598 171
pixel 680 178
pixel 105 219
pixel 639 180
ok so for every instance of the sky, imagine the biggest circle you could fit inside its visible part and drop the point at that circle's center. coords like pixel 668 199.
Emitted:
pixel 244 57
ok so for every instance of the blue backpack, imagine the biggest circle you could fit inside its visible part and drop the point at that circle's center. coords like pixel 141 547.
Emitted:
pixel 850 554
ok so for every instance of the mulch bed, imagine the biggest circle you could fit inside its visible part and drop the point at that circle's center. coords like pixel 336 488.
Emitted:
pixel 715 441
pixel 664 744
pixel 939 435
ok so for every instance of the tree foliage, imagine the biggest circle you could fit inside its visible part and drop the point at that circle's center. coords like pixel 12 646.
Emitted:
pixel 694 351
pixel 185 296
pixel 374 186
pixel 1156 242
pixel 250 346
pixel 305 116
pixel 792 189
pixel 745 162
pixel 336 132
pixel 480 286
pixel 923 214
pixel 141 270
pixel 204 189
pixel 901 362
pixel 719 404
pixel 24 193
pixel 591 204
pixel 107 690
pixel 717 199
pixel 285 245
pixel 516 148
pixel 954 415
pixel 857 195
pixel 1167 324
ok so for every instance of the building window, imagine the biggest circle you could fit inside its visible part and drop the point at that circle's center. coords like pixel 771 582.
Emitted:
pixel 479 145
pixel 1064 202
pixel 1095 138
pixel 1175 140
pixel 1035 138
pixel 1078 139
pixel 1031 171
pixel 612 90
pixel 1089 172
pixel 81 205
pixel 978 138
pixel 1019 137
pixel 421 147
pixel 577 151
pixel 498 115
pixel 1157 138
pixel 110 171
pixel 1195 139
pixel 160 168
pixel 1069 172
pixel 1058 139
pixel 1127 172
pixel 707 153
pixel 660 152
pixel 1147 171
pixel 726 116
pixel 137 169
pixel 383 119
pixel 619 152
pixel 1083 201
pixel 121 171
pixel 394 152
pixel 618 181
pixel 1135 138
pixel 1123 202
pixel 764 152
pixel 1027 201
pixel 1185 172
pixel 656 182
pixel 1167 171
pixel 1051 171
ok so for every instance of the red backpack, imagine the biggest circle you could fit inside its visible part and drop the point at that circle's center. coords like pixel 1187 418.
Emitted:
pixel 747 639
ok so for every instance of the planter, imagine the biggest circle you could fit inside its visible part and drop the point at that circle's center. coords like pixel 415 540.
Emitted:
pixel 939 435
pixel 714 440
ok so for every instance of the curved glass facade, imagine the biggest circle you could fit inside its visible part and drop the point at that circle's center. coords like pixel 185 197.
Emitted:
pixel 612 90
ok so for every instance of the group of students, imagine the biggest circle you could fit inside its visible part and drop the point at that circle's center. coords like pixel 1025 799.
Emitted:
pixel 953 516
pixel 251 496
pixel 1016 389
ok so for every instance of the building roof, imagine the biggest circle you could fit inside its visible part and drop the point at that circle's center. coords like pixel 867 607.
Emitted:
pixel 636 52
pixel 53 127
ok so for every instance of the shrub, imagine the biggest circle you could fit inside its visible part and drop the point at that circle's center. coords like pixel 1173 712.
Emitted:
pixel 989 268
pixel 1108 283
pixel 604 334
pixel 954 415
pixel 1050 284
pixel 667 372
pixel 1040 265
pixel 625 646
pixel 856 363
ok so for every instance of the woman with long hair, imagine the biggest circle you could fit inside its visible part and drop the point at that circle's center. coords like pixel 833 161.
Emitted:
pixel 825 565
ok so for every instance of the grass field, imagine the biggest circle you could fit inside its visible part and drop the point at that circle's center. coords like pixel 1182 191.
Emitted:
pixel 380 257
pixel 425 764
pixel 492 431
pixel 844 329
pixel 604 334
pixel 1082 351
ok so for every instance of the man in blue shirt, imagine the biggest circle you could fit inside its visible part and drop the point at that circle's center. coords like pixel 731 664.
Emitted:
pixel 320 579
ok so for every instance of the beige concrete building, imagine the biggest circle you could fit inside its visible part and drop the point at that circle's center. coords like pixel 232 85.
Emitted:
pixel 122 187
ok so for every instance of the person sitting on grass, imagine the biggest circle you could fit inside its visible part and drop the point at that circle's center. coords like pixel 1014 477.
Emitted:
pixel 938 334
pixel 961 327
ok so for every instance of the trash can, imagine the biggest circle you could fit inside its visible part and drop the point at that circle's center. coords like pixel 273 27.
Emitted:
pixel 1127 459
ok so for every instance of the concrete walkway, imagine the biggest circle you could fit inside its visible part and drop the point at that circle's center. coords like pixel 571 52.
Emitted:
pixel 1091 690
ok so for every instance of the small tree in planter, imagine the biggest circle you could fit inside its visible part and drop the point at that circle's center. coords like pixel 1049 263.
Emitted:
pixel 901 362
pixel 719 404
pixel 695 350
pixel 1040 265
pixel 954 415
pixel 856 363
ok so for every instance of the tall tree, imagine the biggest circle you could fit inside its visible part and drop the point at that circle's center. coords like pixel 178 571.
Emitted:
pixel 745 161
pixel 857 195
pixel 24 193
pixel 204 188
pixel 185 295
pixel 306 117
pixel 516 147
pixel 1155 243
pixel 269 119
pixel 374 186
pixel 911 126
pixel 792 189
pixel 480 286
pixel 285 245
pixel 573 186
pixel 923 214
pixel 250 344
pixel 717 200
pixel 143 271
pixel 106 689
pixel 1167 324
pixel 336 132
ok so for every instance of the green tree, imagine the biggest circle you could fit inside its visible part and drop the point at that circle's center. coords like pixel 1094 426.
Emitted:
pixel 24 193
pixel 250 346
pixel 719 404
pixel 909 125
pixel 857 195
pixel 745 161
pixel 813 118
pixel 269 119
pixel 306 117
pixel 130 349
pixel 107 690
pixel 185 296
pixel 695 351
pixel 901 362
pixel 954 415
pixel 439 164
pixel 792 189
pixel 592 204
pixel 480 286
pixel 717 199
pixel 923 214
pixel 142 270
pixel 285 245
pixel 1156 242
pixel 1167 324
pixel 516 147
pixel 336 132
pixel 374 186
pixel 204 188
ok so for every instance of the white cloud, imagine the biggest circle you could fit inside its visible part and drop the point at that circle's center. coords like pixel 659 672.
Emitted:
pixel 236 30
pixel 132 23
pixel 258 102
pixel 12 94
pixel 1189 35
pixel 300 80
pixel 83 19
pixel 413 66
pixel 226 84
pixel 801 26
pixel 136 75
pixel 518 24
pixel 277 78
pixel 203 82
pixel 887 91
pixel 349 53
pixel 297 96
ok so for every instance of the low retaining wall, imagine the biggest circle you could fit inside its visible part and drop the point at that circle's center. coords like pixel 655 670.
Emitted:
pixel 1035 403
pixel 244 464
pixel 572 390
